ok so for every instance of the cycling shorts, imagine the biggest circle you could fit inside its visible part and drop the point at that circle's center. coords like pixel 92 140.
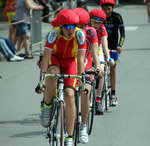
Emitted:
pixel 89 77
pixel 66 66
pixel 114 55
pixel 22 28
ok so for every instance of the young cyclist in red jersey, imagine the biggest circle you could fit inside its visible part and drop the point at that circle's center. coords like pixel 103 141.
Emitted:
pixel 65 48
pixel 113 24
pixel 97 18
pixel 92 48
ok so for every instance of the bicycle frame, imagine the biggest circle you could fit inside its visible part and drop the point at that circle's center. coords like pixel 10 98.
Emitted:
pixel 106 87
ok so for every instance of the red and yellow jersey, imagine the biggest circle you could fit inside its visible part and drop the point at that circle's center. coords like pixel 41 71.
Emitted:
pixel 10 6
pixel 63 47
pixel 91 37
pixel 101 33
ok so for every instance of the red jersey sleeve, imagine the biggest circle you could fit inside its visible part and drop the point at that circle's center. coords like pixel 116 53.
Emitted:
pixel 103 31
pixel 91 34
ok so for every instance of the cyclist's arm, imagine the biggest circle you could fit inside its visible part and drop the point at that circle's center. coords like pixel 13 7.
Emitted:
pixel 122 36
pixel 45 59
pixel 80 60
pixel 105 46
pixel 94 51
pixel 122 32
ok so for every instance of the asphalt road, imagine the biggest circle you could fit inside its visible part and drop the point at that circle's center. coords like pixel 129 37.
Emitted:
pixel 128 124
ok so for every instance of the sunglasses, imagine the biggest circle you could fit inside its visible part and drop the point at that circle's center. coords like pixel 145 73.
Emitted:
pixel 72 26
pixel 96 22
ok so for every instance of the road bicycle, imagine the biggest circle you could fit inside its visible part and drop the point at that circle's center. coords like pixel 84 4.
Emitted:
pixel 56 132
pixel 106 91
pixel 91 110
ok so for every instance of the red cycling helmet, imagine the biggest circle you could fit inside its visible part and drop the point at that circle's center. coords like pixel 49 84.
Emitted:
pixel 102 2
pixel 54 22
pixel 98 14
pixel 67 16
pixel 83 15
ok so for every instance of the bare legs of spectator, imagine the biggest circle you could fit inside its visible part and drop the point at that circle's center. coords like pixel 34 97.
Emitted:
pixel 24 41
pixel 117 3
pixel 148 10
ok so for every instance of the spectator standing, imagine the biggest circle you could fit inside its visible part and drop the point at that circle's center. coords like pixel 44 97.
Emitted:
pixel 148 8
pixel 45 10
pixel 9 13
pixel 117 3
pixel 22 12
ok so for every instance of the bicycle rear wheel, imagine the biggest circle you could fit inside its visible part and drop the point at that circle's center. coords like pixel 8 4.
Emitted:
pixel 92 109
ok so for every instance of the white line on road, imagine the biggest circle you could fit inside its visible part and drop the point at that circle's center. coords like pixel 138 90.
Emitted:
pixel 131 28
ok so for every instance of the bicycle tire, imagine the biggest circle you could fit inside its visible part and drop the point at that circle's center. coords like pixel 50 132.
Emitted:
pixel 59 129
pixel 77 124
pixel 108 89
pixel 103 98
pixel 92 109
pixel 51 129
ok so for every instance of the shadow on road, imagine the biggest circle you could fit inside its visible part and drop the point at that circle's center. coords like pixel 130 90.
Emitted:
pixel 26 121
pixel 28 134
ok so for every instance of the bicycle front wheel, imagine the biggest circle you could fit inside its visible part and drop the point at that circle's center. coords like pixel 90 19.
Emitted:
pixel 77 122
pixel 59 129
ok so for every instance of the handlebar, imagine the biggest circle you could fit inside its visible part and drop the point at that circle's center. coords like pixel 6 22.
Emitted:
pixel 97 79
pixel 62 76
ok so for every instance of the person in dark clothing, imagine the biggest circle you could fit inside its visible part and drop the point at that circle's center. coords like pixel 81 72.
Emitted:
pixel 114 24
pixel 45 10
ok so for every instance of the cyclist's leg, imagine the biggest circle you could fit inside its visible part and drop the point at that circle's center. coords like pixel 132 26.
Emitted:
pixel 85 104
pixel 70 111
pixel 113 77
pixel 101 83
pixel 69 66
pixel 99 108
pixel 114 102
pixel 50 84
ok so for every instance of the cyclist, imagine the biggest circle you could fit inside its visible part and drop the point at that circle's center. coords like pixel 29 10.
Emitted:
pixel 65 48
pixel 113 23
pixel 97 18
pixel 92 48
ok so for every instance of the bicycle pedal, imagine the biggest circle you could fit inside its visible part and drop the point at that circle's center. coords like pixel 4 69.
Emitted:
pixel 47 136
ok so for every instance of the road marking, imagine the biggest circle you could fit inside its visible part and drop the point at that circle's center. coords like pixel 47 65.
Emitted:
pixel 131 28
